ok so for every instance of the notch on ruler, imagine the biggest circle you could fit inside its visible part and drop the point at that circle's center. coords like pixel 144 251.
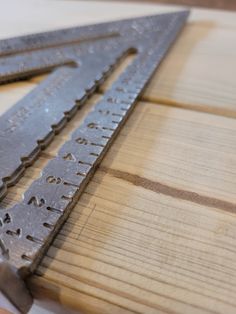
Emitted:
pixel 27 228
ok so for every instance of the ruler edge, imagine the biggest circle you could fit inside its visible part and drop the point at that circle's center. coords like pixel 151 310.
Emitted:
pixel 117 130
pixel 13 178
pixel 86 26
pixel 77 195
pixel 55 129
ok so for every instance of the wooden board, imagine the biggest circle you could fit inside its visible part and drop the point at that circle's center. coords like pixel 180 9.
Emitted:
pixel 199 73
pixel 155 227
pixel 195 75
pixel 154 231
pixel 213 4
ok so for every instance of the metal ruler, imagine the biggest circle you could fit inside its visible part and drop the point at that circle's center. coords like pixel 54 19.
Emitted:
pixel 86 55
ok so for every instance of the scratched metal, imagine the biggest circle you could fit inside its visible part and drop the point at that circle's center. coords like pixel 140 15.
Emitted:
pixel 34 120
pixel 27 55
pixel 79 34
pixel 28 227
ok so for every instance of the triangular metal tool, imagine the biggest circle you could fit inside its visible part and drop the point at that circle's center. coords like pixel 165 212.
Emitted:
pixel 94 51
pixel 27 228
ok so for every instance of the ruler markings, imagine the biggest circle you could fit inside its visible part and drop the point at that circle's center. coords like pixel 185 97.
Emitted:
pixel 27 228
pixel 65 176
pixel 20 112
pixel 48 103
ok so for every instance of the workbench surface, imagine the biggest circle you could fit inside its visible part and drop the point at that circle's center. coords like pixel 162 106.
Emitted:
pixel 155 229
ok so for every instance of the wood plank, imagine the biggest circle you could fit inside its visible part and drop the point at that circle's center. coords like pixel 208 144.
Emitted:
pixel 195 74
pixel 130 243
pixel 213 4
pixel 11 93
pixel 58 14
pixel 198 73
pixel 154 230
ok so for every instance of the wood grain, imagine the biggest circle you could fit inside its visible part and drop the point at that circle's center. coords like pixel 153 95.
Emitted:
pixel 131 247
pixel 195 75
pixel 199 72
pixel 154 231
pixel 135 242
pixel 213 4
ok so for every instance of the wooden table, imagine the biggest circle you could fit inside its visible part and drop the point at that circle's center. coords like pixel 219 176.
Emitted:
pixel 155 230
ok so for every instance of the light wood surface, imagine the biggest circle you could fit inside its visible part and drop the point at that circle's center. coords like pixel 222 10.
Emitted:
pixel 199 73
pixel 213 4
pixel 155 230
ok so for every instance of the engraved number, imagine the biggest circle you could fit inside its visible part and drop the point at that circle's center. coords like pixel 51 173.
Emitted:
pixel 14 233
pixel 120 89
pixel 112 100
pixel 70 157
pixel 81 140
pixel 104 112
pixel 93 125
pixel 53 180
pixel 5 220
pixel 36 201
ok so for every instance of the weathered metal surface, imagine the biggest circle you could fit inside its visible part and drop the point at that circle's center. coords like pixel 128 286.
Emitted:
pixel 89 62
pixel 27 228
